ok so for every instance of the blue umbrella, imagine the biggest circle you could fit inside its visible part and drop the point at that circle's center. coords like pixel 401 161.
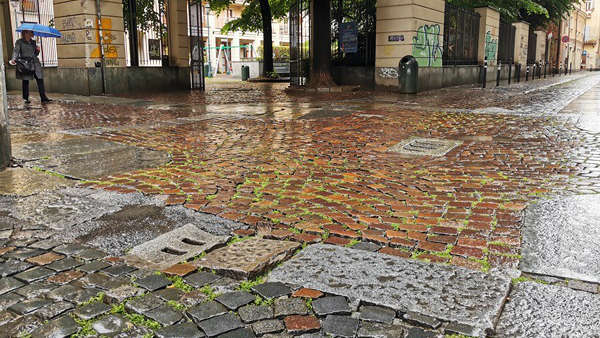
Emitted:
pixel 39 30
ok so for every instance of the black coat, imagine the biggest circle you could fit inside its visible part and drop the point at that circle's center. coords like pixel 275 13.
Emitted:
pixel 28 50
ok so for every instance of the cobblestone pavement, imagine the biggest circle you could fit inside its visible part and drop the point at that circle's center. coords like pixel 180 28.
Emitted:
pixel 274 167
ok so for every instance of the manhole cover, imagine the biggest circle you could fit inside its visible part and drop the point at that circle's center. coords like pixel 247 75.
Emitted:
pixel 173 247
pixel 425 146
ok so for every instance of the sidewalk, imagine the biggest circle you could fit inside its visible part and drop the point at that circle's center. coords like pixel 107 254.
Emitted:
pixel 403 215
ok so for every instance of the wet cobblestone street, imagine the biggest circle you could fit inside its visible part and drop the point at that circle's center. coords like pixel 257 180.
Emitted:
pixel 271 173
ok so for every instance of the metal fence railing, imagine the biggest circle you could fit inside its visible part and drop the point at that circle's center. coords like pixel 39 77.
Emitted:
pixel 38 11
pixel 354 20
pixel 461 36
pixel 532 48
pixel 299 19
pixel 506 42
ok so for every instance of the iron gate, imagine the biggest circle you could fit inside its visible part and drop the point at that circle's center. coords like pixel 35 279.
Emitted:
pixel 531 47
pixel 197 73
pixel 37 11
pixel 506 42
pixel 461 36
pixel 361 15
pixel 299 42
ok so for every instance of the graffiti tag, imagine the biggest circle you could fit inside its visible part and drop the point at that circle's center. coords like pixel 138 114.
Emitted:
pixel 388 73
pixel 491 46
pixel 426 46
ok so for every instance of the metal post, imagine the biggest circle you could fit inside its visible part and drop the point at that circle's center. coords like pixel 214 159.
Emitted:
pixel 545 68
pixel 527 74
pixel 133 38
pixel 498 75
pixel 518 71
pixel 509 72
pixel 570 68
pixel 5 151
pixel 208 46
pixel 37 3
pixel 484 72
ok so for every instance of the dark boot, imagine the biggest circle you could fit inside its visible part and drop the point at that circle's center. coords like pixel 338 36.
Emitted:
pixel 26 91
pixel 42 89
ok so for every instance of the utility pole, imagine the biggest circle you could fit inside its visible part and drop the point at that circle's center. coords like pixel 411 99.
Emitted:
pixel 133 38
pixel 5 151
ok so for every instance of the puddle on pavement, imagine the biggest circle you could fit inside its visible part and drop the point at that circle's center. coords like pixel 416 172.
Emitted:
pixel 25 182
pixel 325 113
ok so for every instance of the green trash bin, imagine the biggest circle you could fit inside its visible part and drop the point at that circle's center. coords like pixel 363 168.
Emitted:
pixel 245 73
pixel 408 77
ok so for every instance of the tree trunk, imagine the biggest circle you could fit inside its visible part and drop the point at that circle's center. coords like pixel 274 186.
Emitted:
pixel 265 11
pixel 320 76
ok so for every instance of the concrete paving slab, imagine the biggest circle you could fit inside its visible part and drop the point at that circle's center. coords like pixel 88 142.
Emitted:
pixel 173 247
pixel 247 258
pixel 539 310
pixel 448 293
pixel 26 182
pixel 560 238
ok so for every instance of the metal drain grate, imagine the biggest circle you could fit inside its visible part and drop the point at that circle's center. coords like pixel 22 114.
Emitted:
pixel 425 146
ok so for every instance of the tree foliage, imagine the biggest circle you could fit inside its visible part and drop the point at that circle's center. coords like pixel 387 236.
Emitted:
pixel 147 16
pixel 251 18
pixel 536 12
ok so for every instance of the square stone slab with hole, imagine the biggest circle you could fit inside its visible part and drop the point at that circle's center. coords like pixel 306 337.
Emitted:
pixel 248 258
pixel 425 147
pixel 447 293
pixel 560 238
pixel 173 247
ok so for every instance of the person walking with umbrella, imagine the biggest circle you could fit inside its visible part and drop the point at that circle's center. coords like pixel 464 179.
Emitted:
pixel 28 65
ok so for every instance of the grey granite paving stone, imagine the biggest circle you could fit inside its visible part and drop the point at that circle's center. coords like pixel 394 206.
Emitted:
pixel 92 310
pixel 36 289
pixel 29 305
pixel 205 311
pixel 153 282
pixel 52 310
pixel 119 270
pixel 111 325
pixel 23 253
pixel 13 266
pixel 290 306
pixel 9 284
pixel 252 313
pixel 366 246
pixel 238 333
pixel 331 305
pixel 272 290
pixel 169 294
pixel 233 300
pixel 144 304
pixel 165 315
pixel 8 299
pixel 340 326
pixel 201 278
pixel 67 263
pixel 378 330
pixel 268 326
pixel 22 326
pixel 103 281
pixel 34 274
pixel 94 266
pixel 377 314
pixel 417 332
pixel 70 249
pixel 221 324
pixel 90 254
pixel 447 293
pixel 422 320
pixel 278 335
pixel 46 244
pixel 183 330
pixel 7 316
pixel 583 286
pixel 118 295
pixel 559 238
pixel 82 295
pixel 62 327
pixel 63 292
pixel 193 298
pixel 538 310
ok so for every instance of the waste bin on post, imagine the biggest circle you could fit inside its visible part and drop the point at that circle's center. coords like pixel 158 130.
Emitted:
pixel 245 73
pixel 409 75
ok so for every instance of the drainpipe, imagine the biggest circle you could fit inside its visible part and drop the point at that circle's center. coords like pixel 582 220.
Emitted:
pixel 101 43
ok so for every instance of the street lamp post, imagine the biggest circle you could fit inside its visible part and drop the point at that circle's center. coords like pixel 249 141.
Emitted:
pixel 4 136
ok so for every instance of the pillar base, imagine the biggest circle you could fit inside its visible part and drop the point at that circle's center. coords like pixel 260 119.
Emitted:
pixel 4 147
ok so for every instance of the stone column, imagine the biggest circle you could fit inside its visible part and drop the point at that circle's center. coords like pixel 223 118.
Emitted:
pixel 489 29
pixel 235 50
pixel 80 46
pixel 540 48
pixel 6 29
pixel 407 28
pixel 179 42
pixel 5 152
pixel 521 42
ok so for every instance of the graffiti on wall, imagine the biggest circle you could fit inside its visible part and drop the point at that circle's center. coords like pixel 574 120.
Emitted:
pixel 388 73
pixel 108 38
pixel 426 46
pixel 491 46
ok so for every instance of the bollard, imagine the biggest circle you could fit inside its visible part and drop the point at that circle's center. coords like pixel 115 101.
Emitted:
pixel 509 72
pixel 566 69
pixel 527 73
pixel 498 76
pixel 484 72
pixel 518 72
pixel 545 70
pixel 570 68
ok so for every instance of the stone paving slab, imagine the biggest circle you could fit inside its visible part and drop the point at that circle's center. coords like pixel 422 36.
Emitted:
pixel 560 238
pixel 247 258
pixel 538 310
pixel 448 293
pixel 25 182
pixel 173 247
